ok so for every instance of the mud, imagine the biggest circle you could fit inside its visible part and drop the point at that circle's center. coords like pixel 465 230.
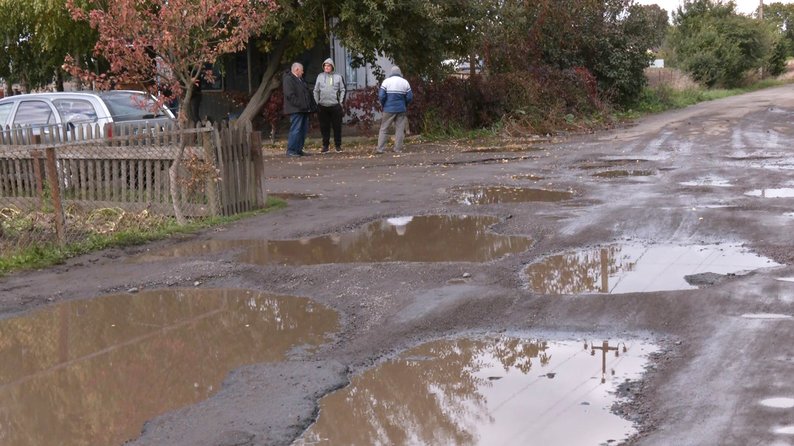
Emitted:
pixel 713 366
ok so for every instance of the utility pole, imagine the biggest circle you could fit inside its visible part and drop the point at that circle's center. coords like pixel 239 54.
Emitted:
pixel 761 9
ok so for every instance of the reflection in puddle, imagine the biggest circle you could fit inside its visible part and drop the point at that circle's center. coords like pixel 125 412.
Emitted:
pixel 291 195
pixel 708 181
pixel 778 403
pixel 785 430
pixel 527 177
pixel 93 371
pixel 603 164
pixel 785 192
pixel 623 173
pixel 633 268
pixel 433 238
pixel 504 194
pixel 765 316
pixel 483 392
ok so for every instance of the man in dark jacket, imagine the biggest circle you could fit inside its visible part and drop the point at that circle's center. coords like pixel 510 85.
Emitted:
pixel 297 104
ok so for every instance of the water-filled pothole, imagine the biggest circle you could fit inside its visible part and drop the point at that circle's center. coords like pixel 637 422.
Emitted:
pixel 485 392
pixel 783 192
pixel 528 177
pixel 292 195
pixel 505 194
pixel 707 181
pixel 431 238
pixel 606 163
pixel 623 173
pixel 629 268
pixel 93 371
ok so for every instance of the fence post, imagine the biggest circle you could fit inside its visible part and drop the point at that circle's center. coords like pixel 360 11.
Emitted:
pixel 55 190
pixel 37 173
pixel 258 160
pixel 209 158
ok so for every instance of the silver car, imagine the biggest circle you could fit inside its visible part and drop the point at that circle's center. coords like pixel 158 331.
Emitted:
pixel 41 111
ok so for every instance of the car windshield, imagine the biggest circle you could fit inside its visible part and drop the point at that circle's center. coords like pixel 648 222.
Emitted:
pixel 131 106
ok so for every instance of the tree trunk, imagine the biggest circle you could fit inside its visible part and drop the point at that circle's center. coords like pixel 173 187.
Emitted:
pixel 270 82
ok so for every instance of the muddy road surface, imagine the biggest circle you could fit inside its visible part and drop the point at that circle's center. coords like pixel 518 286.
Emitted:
pixel 674 233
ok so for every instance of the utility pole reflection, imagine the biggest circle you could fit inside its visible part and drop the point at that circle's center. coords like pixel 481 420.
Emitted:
pixel 604 349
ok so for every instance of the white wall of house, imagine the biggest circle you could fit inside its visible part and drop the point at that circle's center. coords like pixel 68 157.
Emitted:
pixel 356 78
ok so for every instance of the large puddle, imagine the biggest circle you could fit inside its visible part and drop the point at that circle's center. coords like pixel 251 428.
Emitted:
pixel 433 238
pixel 504 391
pixel 505 194
pixel 629 268
pixel 91 372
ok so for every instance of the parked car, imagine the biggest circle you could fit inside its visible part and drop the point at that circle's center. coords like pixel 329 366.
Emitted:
pixel 40 111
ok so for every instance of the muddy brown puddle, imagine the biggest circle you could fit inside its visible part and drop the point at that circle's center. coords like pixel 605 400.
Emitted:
pixel 623 173
pixel 493 391
pixel 504 194
pixel 629 268
pixel 433 238
pixel 91 372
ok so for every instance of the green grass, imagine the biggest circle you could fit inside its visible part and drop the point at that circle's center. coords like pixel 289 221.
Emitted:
pixel 663 98
pixel 47 254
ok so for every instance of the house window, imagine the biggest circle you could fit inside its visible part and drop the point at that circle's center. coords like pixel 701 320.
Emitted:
pixel 351 74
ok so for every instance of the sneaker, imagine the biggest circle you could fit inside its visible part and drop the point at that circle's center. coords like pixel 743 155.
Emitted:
pixel 301 153
pixel 325 150
pixel 293 154
pixel 338 149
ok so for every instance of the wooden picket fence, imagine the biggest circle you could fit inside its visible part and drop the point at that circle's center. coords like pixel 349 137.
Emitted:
pixel 127 166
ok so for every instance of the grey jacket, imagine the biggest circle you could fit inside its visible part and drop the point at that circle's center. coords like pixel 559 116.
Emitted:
pixel 329 89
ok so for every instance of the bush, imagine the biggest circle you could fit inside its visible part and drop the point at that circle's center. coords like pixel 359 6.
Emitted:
pixel 539 101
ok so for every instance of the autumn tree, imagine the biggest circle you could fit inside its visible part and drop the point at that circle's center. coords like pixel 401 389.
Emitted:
pixel 166 45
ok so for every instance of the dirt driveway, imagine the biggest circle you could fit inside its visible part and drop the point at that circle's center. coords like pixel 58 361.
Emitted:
pixel 717 174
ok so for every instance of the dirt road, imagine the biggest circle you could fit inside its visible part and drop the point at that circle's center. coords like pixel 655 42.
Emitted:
pixel 716 174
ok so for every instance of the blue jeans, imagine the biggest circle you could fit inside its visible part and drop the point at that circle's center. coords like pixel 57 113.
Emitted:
pixel 298 126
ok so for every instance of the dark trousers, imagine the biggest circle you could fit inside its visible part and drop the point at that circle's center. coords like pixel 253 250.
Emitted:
pixel 298 125
pixel 331 117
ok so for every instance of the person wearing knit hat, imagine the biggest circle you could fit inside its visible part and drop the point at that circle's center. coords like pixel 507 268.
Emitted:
pixel 329 94
pixel 394 95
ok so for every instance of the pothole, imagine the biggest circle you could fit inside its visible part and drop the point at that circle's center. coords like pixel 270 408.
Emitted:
pixel 784 192
pixel 623 173
pixel 778 403
pixel 292 195
pixel 93 371
pixel 504 194
pixel 628 268
pixel 528 177
pixel 489 391
pixel 707 181
pixel 431 238
pixel 766 316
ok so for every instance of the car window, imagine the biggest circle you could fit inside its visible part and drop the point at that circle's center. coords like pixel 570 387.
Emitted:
pixel 131 106
pixel 75 110
pixel 35 113
pixel 5 110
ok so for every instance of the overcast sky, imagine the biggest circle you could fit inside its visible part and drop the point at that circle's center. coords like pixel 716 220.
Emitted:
pixel 742 6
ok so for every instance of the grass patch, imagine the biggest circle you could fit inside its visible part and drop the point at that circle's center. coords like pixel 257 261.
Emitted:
pixel 44 254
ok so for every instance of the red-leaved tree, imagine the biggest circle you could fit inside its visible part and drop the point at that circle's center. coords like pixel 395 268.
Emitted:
pixel 166 45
